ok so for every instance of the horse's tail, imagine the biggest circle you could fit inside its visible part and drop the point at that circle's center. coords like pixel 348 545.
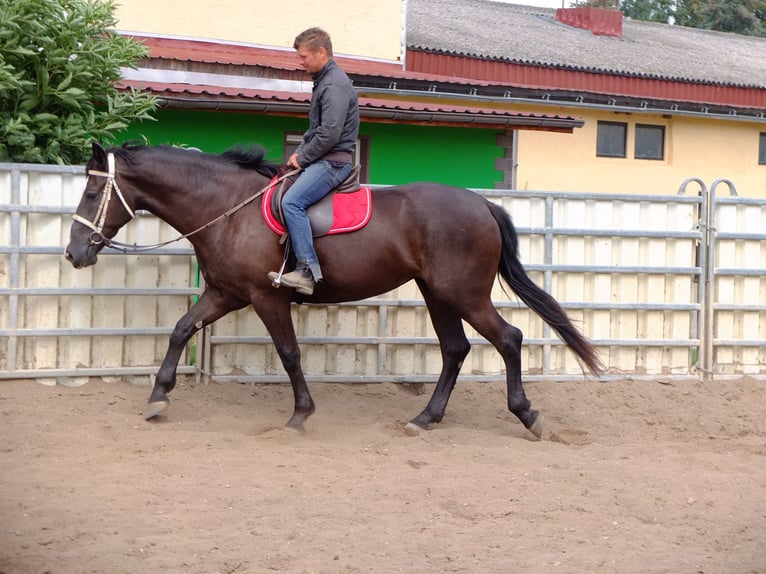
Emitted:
pixel 542 303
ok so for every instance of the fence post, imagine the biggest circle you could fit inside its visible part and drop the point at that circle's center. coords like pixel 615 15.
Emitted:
pixel 704 300
pixel 710 270
pixel 15 260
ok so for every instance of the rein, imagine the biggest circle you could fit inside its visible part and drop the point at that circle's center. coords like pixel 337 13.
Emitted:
pixel 97 225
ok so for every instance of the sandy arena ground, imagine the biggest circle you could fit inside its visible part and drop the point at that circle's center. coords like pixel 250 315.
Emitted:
pixel 632 477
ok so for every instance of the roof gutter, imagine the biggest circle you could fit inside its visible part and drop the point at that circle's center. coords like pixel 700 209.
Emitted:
pixel 551 101
pixel 216 104
pixel 380 114
pixel 477 119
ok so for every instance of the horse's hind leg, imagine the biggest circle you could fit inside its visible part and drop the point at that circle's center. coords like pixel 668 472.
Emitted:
pixel 454 349
pixel 211 305
pixel 507 340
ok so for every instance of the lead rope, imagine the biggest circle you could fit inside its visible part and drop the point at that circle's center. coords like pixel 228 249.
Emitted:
pixel 97 236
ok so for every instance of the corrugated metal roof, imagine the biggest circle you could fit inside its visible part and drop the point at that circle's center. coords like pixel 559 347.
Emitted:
pixel 528 35
pixel 371 108
pixel 589 81
pixel 279 59
pixel 238 54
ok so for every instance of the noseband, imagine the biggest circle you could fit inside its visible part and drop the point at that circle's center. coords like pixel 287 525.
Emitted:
pixel 97 225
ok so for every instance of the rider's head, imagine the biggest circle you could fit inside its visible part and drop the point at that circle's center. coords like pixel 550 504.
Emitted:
pixel 314 48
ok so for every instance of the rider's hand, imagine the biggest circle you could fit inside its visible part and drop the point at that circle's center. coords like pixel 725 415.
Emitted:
pixel 293 161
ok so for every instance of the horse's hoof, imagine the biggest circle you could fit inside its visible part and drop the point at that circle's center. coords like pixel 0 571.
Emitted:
pixel 295 426
pixel 155 408
pixel 537 427
pixel 413 429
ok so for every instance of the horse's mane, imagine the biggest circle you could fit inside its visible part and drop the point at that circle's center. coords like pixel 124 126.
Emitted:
pixel 248 157
pixel 251 157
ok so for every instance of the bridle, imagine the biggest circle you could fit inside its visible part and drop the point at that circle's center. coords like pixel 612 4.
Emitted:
pixel 97 225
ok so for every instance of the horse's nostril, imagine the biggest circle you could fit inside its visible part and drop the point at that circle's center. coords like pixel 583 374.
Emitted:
pixel 69 257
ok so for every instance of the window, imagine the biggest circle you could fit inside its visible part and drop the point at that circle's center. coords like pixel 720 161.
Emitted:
pixel 360 156
pixel 650 142
pixel 611 139
pixel 762 149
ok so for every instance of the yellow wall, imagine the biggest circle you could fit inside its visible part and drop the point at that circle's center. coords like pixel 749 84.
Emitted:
pixel 694 147
pixel 370 28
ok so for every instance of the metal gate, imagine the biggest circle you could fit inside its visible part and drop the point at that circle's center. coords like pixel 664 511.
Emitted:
pixel 666 286
pixel 734 340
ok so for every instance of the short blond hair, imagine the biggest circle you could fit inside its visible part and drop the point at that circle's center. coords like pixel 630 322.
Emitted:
pixel 313 39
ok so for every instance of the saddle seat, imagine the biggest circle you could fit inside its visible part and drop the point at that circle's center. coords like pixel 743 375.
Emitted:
pixel 346 208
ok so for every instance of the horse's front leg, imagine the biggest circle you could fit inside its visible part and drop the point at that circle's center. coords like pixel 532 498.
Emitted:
pixel 212 305
pixel 275 315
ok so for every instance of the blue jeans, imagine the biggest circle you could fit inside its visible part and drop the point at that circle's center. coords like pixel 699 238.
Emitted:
pixel 316 181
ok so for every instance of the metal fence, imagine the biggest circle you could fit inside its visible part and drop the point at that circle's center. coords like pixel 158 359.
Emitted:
pixel 640 274
pixel 58 323
pixel 735 341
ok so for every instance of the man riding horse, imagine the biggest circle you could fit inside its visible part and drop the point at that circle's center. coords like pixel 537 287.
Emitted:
pixel 324 155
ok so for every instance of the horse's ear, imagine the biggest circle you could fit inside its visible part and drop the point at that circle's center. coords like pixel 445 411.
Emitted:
pixel 99 153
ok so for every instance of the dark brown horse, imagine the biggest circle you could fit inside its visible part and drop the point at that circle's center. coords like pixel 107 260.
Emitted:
pixel 451 241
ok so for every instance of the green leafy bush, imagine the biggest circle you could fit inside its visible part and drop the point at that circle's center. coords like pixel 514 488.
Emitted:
pixel 59 63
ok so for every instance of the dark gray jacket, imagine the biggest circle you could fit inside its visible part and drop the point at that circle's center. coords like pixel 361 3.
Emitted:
pixel 333 118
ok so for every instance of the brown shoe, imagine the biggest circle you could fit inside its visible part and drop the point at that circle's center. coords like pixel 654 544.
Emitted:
pixel 301 280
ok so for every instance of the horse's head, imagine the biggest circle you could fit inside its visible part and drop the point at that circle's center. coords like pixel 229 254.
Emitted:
pixel 103 209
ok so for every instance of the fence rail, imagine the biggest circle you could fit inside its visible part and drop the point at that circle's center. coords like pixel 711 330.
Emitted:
pixel 665 286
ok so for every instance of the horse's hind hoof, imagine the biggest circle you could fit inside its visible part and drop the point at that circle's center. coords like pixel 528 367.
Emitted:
pixel 297 429
pixel 537 427
pixel 295 424
pixel 155 408
pixel 413 429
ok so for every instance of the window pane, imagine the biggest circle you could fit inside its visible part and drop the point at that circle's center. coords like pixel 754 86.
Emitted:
pixel 292 141
pixel 610 141
pixel 650 142
pixel 359 156
pixel 762 149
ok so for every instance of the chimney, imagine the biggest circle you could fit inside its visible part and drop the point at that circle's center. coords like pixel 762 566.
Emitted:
pixel 600 21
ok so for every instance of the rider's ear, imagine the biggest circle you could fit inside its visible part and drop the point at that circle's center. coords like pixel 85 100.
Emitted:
pixel 99 154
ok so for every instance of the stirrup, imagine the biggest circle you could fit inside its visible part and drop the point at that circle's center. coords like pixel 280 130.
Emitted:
pixel 276 278
pixel 276 281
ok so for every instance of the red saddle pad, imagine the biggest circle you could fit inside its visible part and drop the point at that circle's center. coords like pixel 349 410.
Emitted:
pixel 351 211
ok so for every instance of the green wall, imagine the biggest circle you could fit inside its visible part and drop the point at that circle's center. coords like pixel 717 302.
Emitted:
pixel 456 156
pixel 214 132
pixel 399 153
